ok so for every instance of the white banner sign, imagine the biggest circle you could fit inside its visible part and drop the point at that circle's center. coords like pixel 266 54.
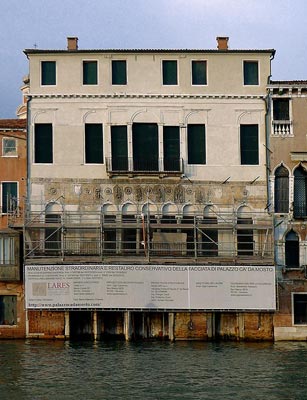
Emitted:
pixel 150 287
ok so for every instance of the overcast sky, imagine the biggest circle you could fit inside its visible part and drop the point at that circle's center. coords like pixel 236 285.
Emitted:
pixel 194 24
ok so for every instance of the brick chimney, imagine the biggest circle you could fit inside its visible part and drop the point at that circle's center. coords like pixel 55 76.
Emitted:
pixel 222 42
pixel 72 43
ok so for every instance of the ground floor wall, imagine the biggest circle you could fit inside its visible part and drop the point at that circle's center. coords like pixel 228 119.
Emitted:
pixel 12 311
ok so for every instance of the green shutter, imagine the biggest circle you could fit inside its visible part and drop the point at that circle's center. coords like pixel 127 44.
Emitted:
pixel 249 144
pixel 93 144
pixel 196 144
pixel 43 152
pixel 119 72
pixel 90 72
pixel 145 147
pixel 199 73
pixel 171 148
pixel 251 73
pixel 48 73
pixel 169 72
pixel 9 196
pixel 119 148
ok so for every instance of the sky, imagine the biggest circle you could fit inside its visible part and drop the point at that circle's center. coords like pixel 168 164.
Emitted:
pixel 143 24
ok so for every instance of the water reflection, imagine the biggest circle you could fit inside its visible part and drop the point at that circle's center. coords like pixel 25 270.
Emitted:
pixel 58 370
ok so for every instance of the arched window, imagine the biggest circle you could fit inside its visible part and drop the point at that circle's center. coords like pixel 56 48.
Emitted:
pixel 292 250
pixel 281 190
pixel 300 192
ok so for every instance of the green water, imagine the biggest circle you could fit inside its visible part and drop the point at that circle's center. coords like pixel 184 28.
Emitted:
pixel 152 370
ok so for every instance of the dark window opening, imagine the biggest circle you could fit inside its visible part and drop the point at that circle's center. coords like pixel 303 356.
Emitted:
pixel 245 238
pixel 209 237
pixel 292 250
pixel 300 308
pixel 119 72
pixel 171 148
pixel 90 73
pixel 43 151
pixel 145 147
pixel 249 144
pixel 281 110
pixel 48 76
pixel 119 148
pixel 300 192
pixel 169 70
pixel 281 190
pixel 199 73
pixel 251 76
pixel 93 144
pixel 53 234
pixel 9 199
pixel 171 220
pixel 196 144
pixel 8 310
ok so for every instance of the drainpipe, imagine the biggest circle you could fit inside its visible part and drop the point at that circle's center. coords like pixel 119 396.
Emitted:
pixel 28 147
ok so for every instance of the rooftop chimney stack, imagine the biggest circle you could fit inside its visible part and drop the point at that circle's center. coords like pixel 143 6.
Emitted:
pixel 72 43
pixel 222 42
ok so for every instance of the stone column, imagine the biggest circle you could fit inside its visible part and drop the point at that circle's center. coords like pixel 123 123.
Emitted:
pixel 171 325
pixel 66 322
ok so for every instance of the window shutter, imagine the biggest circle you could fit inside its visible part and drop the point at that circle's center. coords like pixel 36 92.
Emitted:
pixel 43 152
pixel 119 146
pixel 169 72
pixel 249 144
pixel 145 147
pixel 171 148
pixel 93 144
pixel 196 144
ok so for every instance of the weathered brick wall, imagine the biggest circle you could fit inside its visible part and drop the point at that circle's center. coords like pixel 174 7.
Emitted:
pixel 258 326
pixel 46 324
pixel 190 326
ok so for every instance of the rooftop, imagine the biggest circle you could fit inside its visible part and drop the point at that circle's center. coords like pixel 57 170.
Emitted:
pixel 13 124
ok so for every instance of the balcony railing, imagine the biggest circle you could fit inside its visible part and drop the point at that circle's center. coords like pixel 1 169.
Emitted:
pixel 282 128
pixel 148 165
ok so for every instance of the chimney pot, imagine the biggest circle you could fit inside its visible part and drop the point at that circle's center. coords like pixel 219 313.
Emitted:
pixel 72 43
pixel 222 42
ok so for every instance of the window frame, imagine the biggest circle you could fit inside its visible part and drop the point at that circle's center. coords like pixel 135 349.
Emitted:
pixel 16 149
pixel 1 195
pixel 293 309
pixel 258 74
pixel 34 144
pixel 206 72
pixel 102 142
pixel 240 146
pixel 126 64
pixel 41 73
pixel 12 250
pixel 15 313
pixel 87 61
pixel 177 72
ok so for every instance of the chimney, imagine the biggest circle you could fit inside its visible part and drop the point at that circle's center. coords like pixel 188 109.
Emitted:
pixel 222 42
pixel 72 43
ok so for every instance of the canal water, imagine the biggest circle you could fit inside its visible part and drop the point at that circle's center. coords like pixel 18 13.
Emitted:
pixel 55 370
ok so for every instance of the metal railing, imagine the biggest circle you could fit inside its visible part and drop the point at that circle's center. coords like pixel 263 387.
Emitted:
pixel 148 165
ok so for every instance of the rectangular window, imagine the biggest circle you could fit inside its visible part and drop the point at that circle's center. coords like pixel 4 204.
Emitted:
pixel 93 144
pixel 251 75
pixel 43 143
pixel 119 148
pixel 9 147
pixel 196 144
pixel 300 308
pixel 90 73
pixel 171 148
pixel 145 147
pixel 170 73
pixel 48 74
pixel 199 72
pixel 119 72
pixel 249 145
pixel 8 310
pixel 9 197
pixel 7 250
pixel 281 110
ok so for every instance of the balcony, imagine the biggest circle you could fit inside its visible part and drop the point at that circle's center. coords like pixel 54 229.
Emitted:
pixel 282 128
pixel 148 166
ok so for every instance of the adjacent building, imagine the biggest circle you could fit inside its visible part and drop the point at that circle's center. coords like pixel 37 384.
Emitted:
pixel 147 205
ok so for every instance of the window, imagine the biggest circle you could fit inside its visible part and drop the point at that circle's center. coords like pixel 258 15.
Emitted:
pixel 169 72
pixel 281 190
pixel 245 238
pixel 93 144
pixel 119 148
pixel 199 72
pixel 249 144
pixel 43 142
pixel 53 234
pixel 9 147
pixel 300 192
pixel 7 250
pixel 90 73
pixel 300 308
pixel 281 110
pixel 171 148
pixel 48 76
pixel 119 72
pixel 196 144
pixel 209 237
pixel 292 250
pixel 145 147
pixel 9 197
pixel 250 70
pixel 8 310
